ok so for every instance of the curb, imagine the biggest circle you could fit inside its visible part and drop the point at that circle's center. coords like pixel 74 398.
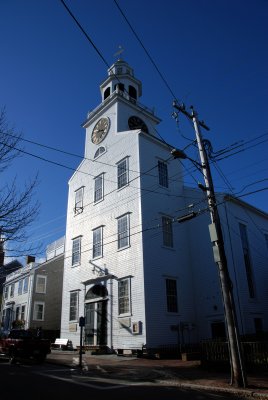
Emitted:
pixel 195 386
pixel 184 385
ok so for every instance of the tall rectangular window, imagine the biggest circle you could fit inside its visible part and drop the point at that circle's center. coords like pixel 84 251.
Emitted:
pixel 6 292
pixel 167 231
pixel 25 284
pixel 22 315
pixel 39 311
pixel 123 231
pixel 73 315
pixel 97 242
pixel 40 286
pixel 247 259
pixel 12 289
pixel 163 174
pixel 122 173
pixel 171 292
pixel 76 251
pixel 98 188
pixel 17 315
pixel 78 203
pixel 20 286
pixel 124 296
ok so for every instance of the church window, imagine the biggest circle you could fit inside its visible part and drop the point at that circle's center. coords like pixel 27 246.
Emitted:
pixel 124 296
pixel 120 86
pixel 99 152
pixel 78 203
pixel 122 173
pixel 106 93
pixel 163 174
pixel 247 259
pixel 132 92
pixel 98 188
pixel 171 293
pixel 97 242
pixel 123 231
pixel 167 231
pixel 73 312
pixel 76 251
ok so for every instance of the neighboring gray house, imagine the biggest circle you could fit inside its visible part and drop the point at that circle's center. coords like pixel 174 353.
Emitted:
pixel 32 295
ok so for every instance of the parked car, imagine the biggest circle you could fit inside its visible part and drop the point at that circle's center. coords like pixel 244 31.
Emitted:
pixel 21 344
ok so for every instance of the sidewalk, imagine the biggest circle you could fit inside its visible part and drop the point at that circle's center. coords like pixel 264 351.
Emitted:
pixel 186 374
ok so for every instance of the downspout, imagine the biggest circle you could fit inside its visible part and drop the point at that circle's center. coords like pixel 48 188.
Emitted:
pixel 29 302
pixel 111 313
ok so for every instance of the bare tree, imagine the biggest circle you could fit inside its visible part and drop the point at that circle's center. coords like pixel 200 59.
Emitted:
pixel 17 207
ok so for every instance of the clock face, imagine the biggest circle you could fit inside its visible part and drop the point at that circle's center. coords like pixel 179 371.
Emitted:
pixel 135 122
pixel 100 130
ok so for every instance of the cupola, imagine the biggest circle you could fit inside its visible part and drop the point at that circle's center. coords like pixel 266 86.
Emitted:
pixel 121 79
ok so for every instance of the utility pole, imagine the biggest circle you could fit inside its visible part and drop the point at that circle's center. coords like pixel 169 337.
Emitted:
pixel 238 377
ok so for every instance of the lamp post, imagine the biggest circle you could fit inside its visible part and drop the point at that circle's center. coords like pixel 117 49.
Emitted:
pixel 238 376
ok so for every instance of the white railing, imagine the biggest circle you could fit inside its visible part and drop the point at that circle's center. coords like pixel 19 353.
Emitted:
pixel 125 96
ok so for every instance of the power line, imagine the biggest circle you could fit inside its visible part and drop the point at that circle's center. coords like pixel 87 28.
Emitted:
pixel 146 51
pixel 84 32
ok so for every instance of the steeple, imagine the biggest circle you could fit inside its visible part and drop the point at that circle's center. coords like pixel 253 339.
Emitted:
pixel 121 78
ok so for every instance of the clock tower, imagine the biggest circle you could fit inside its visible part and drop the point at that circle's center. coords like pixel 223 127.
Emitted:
pixel 120 109
pixel 115 267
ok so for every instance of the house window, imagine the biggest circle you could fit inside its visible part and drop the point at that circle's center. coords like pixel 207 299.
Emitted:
pixel 167 231
pixel 6 292
pixel 17 315
pixel 122 173
pixel 124 296
pixel 98 189
pixel 247 259
pixel 78 204
pixel 97 242
pixel 25 284
pixel 41 282
pixel 76 251
pixel 73 316
pixel 39 310
pixel 171 292
pixel 123 231
pixel 22 315
pixel 12 289
pixel 162 174
pixel 20 286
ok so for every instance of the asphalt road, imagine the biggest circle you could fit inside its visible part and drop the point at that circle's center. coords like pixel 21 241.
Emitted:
pixel 32 381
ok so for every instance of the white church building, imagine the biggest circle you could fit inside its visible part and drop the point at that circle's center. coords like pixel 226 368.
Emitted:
pixel 138 276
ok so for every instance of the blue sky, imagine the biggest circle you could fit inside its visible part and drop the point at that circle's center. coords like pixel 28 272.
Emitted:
pixel 212 53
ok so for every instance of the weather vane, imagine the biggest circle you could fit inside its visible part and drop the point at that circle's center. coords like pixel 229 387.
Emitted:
pixel 120 51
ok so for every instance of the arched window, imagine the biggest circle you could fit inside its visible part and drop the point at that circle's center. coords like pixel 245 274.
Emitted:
pixel 132 92
pixel 120 86
pixel 96 292
pixel 106 93
pixel 99 152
